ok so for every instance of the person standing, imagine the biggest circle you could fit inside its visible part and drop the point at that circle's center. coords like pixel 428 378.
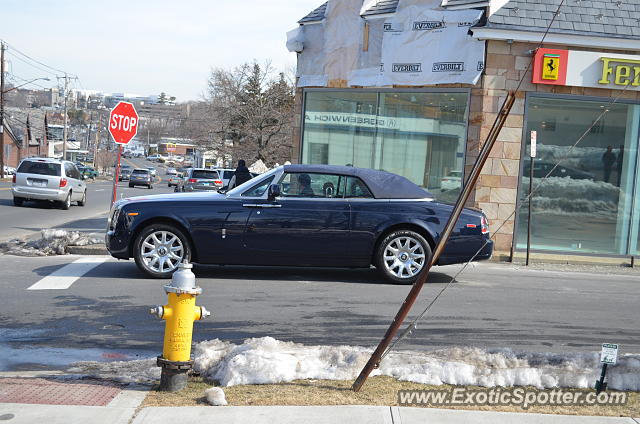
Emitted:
pixel 608 159
pixel 240 176
pixel 619 162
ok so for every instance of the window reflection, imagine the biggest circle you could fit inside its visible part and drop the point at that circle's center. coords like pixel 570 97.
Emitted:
pixel 585 203
pixel 418 135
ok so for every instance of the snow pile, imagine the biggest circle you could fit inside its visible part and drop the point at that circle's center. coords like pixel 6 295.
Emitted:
pixel 51 242
pixel 575 157
pixel 215 396
pixel 267 360
pixel 567 196
pixel 258 167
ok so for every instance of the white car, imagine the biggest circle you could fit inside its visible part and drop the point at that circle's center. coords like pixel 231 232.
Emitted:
pixel 152 170
pixel 9 170
pixel 48 179
pixel 171 171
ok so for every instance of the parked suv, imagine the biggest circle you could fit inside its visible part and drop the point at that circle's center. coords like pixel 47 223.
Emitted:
pixel 48 179
pixel 199 179
pixel 141 176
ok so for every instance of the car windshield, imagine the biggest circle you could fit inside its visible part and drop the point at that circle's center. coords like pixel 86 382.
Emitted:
pixel 242 187
pixel 40 168
pixel 203 174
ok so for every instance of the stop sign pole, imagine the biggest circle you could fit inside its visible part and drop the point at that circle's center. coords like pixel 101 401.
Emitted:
pixel 123 126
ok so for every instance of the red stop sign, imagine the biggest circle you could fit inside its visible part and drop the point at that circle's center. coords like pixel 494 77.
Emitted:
pixel 123 122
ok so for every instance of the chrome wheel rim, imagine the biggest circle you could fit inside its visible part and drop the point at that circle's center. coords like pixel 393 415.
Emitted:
pixel 162 251
pixel 68 200
pixel 404 257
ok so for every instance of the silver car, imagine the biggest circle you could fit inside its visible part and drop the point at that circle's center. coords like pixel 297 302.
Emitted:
pixel 48 179
pixel 200 179
pixel 141 176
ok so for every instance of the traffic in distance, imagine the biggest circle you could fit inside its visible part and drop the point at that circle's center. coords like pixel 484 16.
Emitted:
pixel 295 215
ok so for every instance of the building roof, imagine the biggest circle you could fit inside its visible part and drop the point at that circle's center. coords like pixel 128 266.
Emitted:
pixel 383 185
pixel 316 14
pixel 595 18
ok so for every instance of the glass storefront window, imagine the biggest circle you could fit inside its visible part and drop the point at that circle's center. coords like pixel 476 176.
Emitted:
pixel 420 135
pixel 586 205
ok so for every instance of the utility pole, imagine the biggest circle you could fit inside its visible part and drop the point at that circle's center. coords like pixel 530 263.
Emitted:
pixel 95 147
pixel 1 110
pixel 64 130
pixel 89 131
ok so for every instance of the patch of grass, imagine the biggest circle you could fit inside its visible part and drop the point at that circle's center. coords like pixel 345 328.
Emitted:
pixel 380 390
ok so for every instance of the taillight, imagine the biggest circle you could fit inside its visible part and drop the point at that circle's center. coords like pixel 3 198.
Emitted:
pixel 63 182
pixel 218 182
pixel 193 180
pixel 485 225
pixel 14 178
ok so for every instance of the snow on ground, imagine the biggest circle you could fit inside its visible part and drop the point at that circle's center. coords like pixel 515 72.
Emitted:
pixel 51 242
pixel 267 360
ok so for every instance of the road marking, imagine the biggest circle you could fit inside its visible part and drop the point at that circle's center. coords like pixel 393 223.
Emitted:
pixel 100 189
pixel 7 188
pixel 67 275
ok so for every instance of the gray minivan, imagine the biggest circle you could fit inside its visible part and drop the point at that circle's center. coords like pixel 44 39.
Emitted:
pixel 48 179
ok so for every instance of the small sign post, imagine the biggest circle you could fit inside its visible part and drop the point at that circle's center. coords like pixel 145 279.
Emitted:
pixel 123 126
pixel 533 151
pixel 608 356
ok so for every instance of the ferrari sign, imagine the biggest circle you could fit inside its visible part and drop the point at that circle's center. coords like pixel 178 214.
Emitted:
pixel 586 69
pixel 123 123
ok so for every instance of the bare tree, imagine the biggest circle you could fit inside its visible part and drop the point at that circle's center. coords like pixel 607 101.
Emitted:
pixel 252 107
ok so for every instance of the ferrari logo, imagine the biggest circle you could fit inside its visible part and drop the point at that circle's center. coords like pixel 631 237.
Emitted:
pixel 550 66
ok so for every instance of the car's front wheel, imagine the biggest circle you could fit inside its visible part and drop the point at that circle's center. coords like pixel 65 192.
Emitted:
pixel 66 203
pixel 402 256
pixel 159 249
pixel 83 201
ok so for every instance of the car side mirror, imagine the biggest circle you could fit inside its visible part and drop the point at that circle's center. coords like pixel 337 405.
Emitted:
pixel 274 191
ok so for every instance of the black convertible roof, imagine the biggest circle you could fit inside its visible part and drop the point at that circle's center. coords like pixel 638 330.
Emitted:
pixel 383 185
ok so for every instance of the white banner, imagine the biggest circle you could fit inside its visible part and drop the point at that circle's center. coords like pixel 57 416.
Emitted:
pixel 423 46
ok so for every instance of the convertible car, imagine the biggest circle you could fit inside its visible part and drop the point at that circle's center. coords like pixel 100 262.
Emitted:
pixel 297 215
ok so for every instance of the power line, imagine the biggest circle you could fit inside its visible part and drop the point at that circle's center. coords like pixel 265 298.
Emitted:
pixel 31 64
pixel 34 60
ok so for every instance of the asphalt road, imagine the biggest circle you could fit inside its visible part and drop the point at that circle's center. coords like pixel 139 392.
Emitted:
pixel 34 216
pixel 104 314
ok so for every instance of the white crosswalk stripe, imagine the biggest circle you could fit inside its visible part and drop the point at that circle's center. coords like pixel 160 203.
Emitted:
pixel 68 274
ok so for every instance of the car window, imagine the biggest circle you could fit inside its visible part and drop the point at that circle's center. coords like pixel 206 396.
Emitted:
pixel 199 173
pixel 302 184
pixel 140 172
pixel 356 188
pixel 228 175
pixel 258 189
pixel 40 168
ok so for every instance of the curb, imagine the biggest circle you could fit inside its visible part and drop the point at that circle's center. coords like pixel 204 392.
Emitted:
pixel 90 249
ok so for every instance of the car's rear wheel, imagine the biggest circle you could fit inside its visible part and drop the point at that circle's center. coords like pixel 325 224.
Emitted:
pixel 159 249
pixel 402 256
pixel 17 201
pixel 66 203
pixel 130 185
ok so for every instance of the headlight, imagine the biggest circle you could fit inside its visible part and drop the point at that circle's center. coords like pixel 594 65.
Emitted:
pixel 113 216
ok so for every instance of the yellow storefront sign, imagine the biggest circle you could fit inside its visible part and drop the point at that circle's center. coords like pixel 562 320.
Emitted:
pixel 550 66
pixel 620 71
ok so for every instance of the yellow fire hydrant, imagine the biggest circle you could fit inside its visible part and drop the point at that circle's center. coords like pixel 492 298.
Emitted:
pixel 179 313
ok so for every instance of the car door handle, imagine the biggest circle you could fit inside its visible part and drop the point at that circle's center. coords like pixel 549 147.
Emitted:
pixel 259 205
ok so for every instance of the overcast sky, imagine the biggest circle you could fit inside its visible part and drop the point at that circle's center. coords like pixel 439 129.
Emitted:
pixel 145 47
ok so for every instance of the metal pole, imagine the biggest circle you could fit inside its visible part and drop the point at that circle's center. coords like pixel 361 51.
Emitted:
pixel 116 175
pixel 1 110
pixel 375 358
pixel 529 212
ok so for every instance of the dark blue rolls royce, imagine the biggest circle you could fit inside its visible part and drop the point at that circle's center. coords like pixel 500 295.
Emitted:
pixel 297 215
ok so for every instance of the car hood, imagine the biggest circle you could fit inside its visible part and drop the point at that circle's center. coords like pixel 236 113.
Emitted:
pixel 173 197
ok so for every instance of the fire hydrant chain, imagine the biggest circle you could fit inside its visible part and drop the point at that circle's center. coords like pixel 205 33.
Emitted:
pixel 179 314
